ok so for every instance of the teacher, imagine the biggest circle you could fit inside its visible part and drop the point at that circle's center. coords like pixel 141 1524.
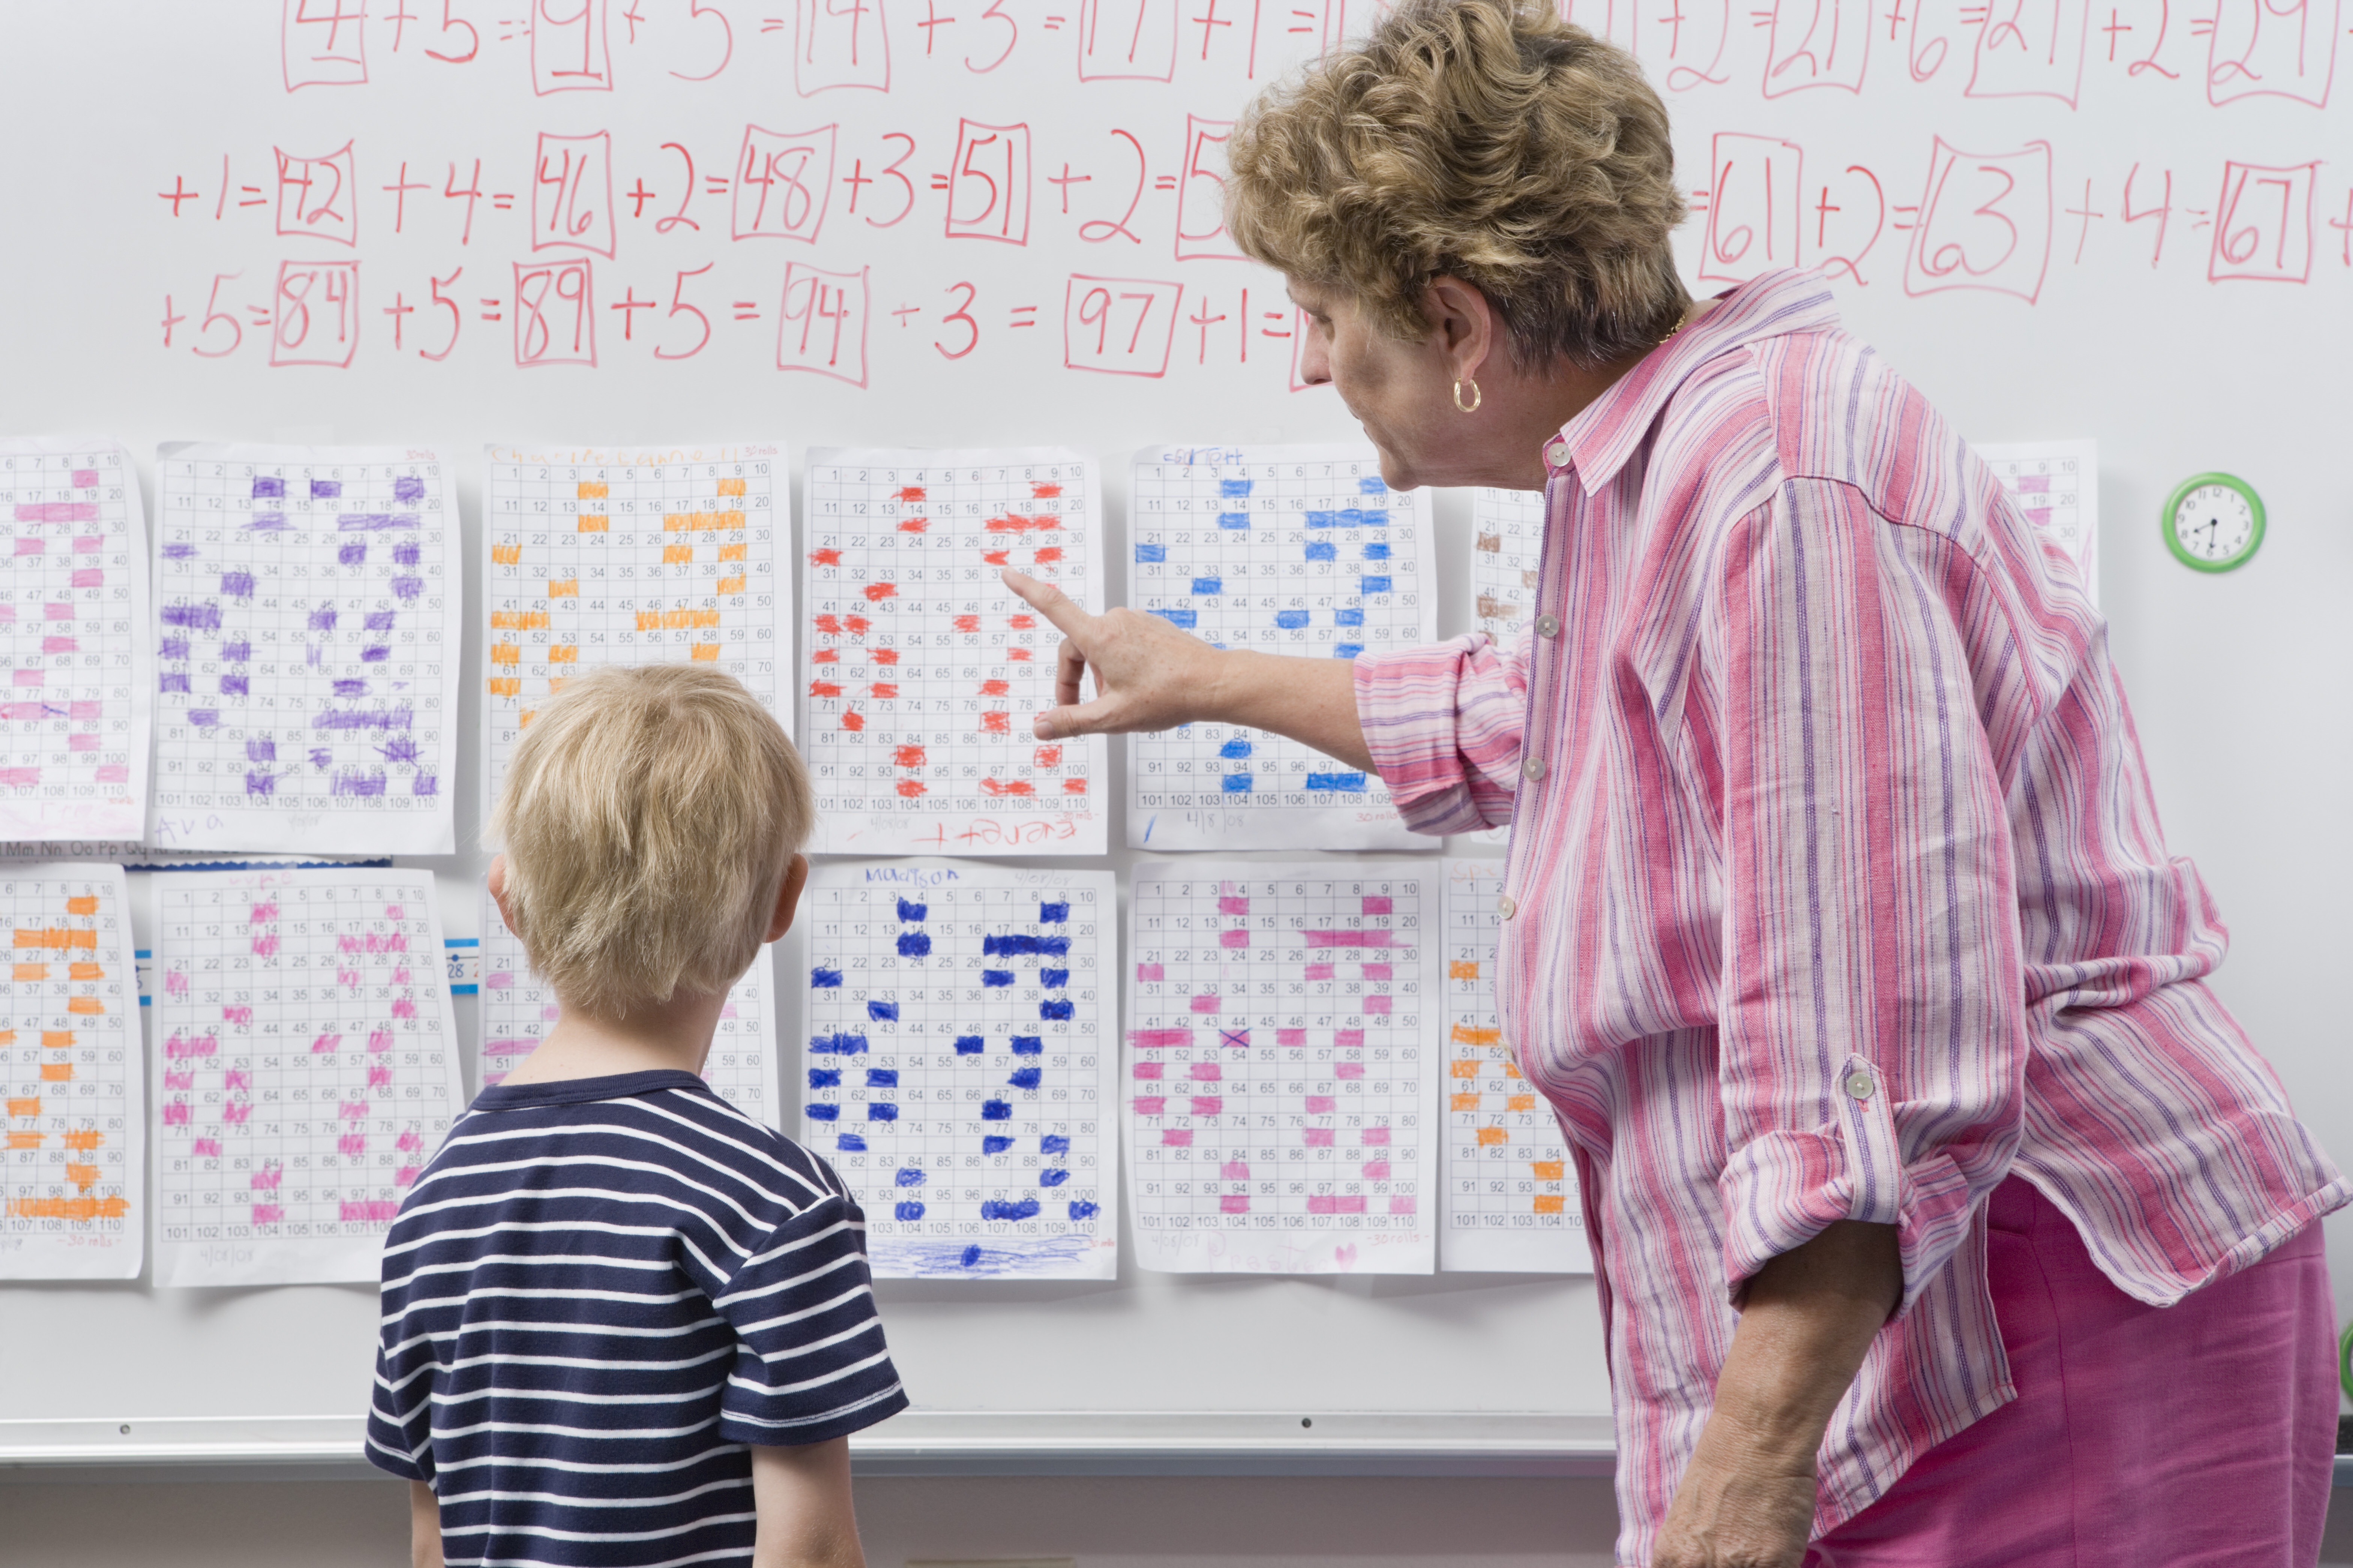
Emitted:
pixel 1943 1215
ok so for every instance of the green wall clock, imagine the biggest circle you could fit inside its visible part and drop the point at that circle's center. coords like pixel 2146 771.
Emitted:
pixel 2213 522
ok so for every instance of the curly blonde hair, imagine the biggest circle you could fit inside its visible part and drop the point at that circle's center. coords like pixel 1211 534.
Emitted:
pixel 1485 140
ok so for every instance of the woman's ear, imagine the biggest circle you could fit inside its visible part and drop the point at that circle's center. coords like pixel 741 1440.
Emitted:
pixel 1463 323
pixel 789 898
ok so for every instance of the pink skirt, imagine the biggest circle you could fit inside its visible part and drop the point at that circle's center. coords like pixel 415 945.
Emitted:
pixel 2199 1434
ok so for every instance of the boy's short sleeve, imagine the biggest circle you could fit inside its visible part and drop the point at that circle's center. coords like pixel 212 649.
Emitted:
pixel 400 1416
pixel 810 1362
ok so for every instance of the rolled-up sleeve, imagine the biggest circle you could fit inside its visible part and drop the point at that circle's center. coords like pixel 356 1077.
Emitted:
pixel 1872 1029
pixel 1443 724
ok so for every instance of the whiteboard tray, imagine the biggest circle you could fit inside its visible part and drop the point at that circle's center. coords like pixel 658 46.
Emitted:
pixel 926 1443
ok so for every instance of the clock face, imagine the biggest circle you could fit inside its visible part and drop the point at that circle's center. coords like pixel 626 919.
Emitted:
pixel 2214 522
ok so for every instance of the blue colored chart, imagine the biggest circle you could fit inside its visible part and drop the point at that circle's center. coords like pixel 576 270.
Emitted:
pixel 1282 550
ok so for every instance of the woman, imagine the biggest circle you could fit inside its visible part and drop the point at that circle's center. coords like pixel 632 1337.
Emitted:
pixel 1944 1216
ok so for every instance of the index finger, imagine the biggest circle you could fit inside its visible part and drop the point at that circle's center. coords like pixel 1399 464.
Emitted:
pixel 1047 601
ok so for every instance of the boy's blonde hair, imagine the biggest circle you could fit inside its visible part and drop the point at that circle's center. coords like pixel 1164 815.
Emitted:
pixel 648 818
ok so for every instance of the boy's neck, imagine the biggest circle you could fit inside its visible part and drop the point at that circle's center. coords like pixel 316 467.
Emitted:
pixel 673 1035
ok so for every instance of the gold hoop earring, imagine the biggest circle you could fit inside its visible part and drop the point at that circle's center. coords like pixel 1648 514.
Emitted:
pixel 1471 406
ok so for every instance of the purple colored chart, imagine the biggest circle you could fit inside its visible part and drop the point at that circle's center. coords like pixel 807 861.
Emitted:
pixel 307 632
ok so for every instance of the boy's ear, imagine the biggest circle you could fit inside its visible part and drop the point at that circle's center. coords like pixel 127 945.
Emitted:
pixel 498 886
pixel 789 898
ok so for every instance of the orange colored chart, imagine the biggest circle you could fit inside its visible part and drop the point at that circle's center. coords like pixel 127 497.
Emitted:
pixel 610 555
pixel 72 1199
pixel 606 555
pixel 1511 1193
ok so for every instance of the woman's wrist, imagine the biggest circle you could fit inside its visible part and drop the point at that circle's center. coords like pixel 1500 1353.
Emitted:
pixel 1218 702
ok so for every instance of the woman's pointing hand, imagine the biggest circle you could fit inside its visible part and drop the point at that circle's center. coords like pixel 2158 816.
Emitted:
pixel 1148 675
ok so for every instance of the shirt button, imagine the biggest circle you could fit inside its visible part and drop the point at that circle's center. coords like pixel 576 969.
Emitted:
pixel 1505 908
pixel 1547 626
pixel 1533 767
pixel 1556 453
pixel 1859 1084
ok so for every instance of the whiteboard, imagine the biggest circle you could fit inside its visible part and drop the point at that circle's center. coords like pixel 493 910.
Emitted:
pixel 2116 225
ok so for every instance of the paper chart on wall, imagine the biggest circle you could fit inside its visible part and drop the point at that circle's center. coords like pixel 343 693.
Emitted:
pixel 962 1067
pixel 134 856
pixel 921 670
pixel 1507 528
pixel 1282 1073
pixel 310 629
pixel 79 648
pixel 627 555
pixel 73 1200
pixel 1288 549
pixel 518 1009
pixel 594 555
pixel 305 1069
pixel 1511 1192
pixel 2057 485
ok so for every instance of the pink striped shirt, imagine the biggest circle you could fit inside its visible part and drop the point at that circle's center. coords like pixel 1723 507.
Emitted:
pixel 1836 888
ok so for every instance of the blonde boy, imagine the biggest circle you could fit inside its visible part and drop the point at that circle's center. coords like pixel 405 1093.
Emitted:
pixel 625 1324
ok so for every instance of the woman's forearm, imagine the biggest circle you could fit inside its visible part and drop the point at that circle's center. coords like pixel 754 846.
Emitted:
pixel 1312 700
pixel 1810 1316
pixel 1749 1494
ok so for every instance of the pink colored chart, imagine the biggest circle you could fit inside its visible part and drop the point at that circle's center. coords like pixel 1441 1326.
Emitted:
pixel 1285 550
pixel 1282 1071
pixel 1511 1192
pixel 921 673
pixel 73 1198
pixel 305 1069
pixel 76 642
pixel 309 625
pixel 2057 485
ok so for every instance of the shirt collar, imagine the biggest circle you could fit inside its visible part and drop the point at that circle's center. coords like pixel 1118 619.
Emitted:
pixel 1603 435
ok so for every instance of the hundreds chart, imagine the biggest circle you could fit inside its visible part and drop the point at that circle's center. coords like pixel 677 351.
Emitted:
pixel 923 671
pixel 1285 550
pixel 1506 554
pixel 72 1202
pixel 961 1064
pixel 1511 1193
pixel 309 632
pixel 627 555
pixel 80 647
pixel 1507 530
pixel 1281 1083
pixel 305 1069
pixel 2057 485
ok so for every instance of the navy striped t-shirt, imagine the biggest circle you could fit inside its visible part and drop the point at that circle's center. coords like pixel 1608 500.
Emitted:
pixel 594 1296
